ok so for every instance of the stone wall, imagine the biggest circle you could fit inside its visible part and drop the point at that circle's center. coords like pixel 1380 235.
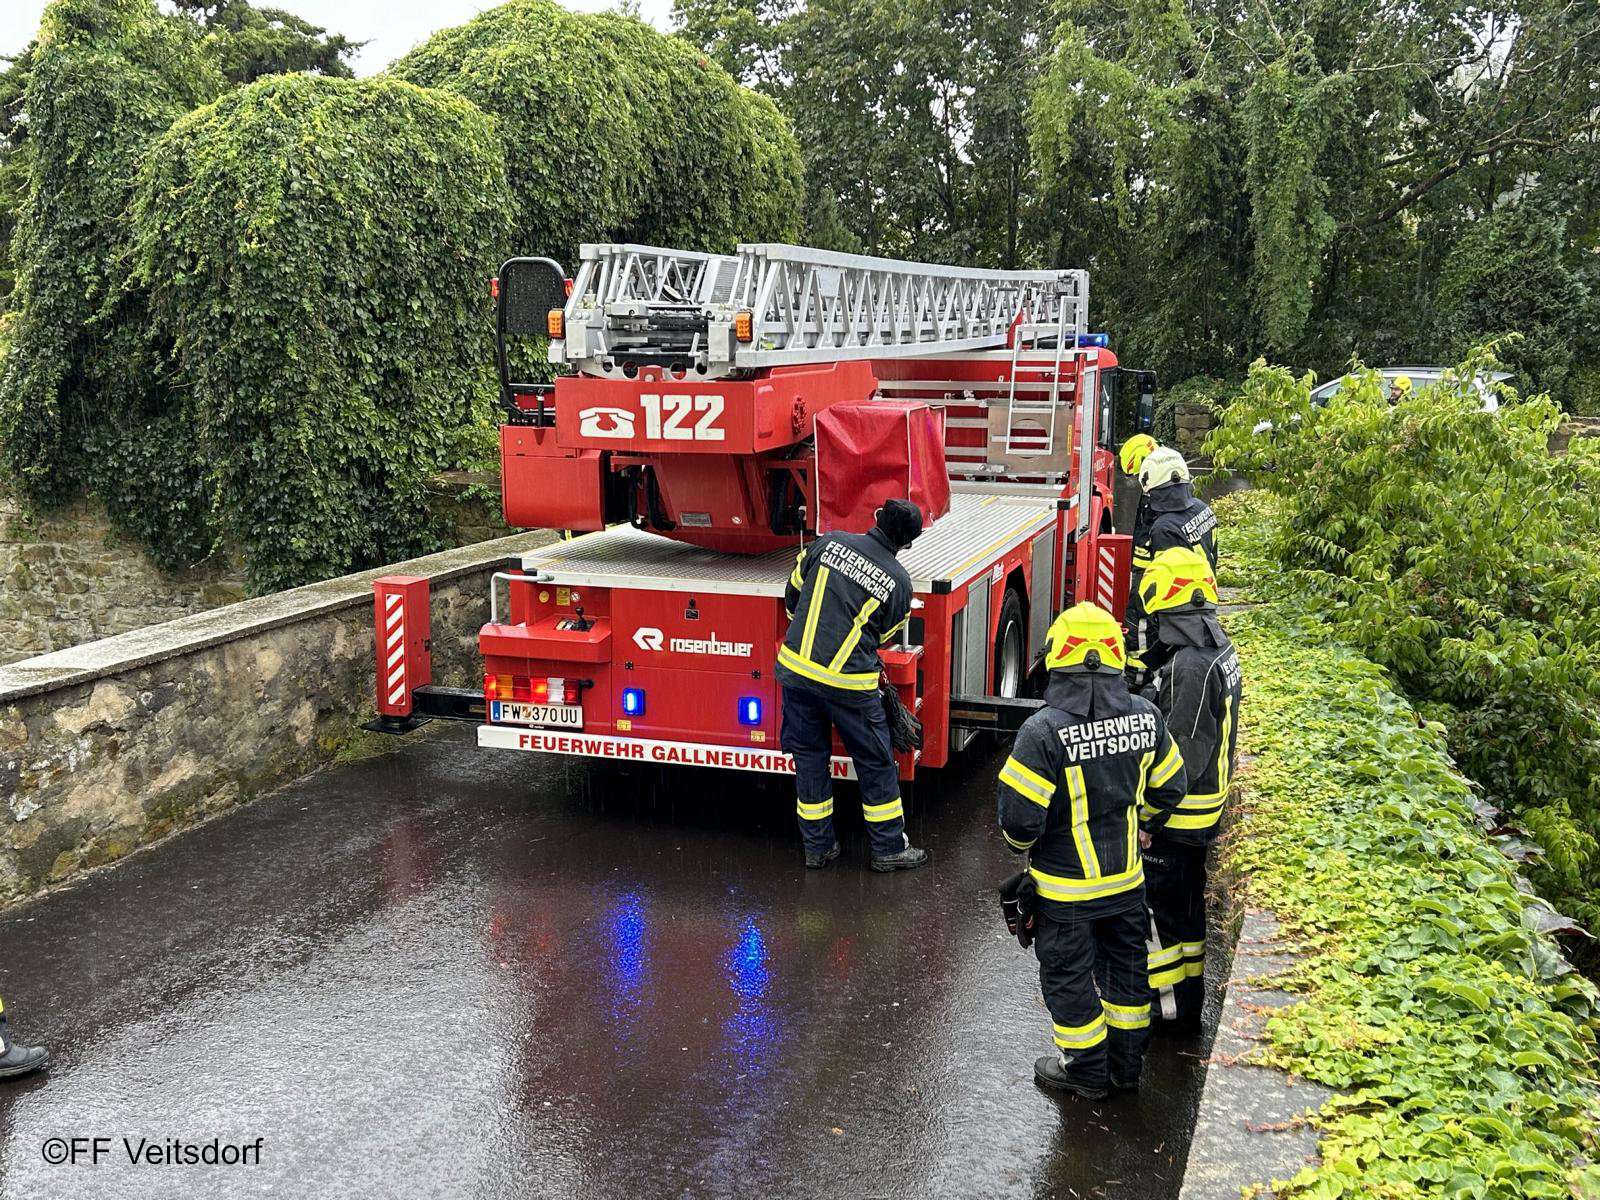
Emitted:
pixel 1195 419
pixel 66 578
pixel 106 746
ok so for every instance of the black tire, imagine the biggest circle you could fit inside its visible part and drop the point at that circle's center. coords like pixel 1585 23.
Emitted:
pixel 1010 648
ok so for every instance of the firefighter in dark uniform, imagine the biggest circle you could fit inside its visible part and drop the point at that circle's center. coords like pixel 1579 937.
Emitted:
pixel 18 1060
pixel 1081 771
pixel 847 596
pixel 1198 690
pixel 1170 514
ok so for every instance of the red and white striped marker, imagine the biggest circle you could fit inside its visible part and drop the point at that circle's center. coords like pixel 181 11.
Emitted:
pixel 402 626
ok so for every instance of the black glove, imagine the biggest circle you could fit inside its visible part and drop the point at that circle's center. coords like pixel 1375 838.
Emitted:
pixel 905 731
pixel 1018 897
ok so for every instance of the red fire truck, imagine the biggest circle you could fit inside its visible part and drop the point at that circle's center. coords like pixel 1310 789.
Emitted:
pixel 711 414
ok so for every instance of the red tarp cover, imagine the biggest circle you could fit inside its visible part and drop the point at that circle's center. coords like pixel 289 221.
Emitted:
pixel 873 451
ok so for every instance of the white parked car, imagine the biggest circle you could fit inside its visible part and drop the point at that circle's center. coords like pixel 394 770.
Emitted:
pixel 1420 377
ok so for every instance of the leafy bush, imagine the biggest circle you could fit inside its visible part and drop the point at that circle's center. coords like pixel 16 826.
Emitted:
pixel 1449 546
pixel 316 250
pixel 613 131
pixel 106 76
pixel 1507 273
pixel 1462 1044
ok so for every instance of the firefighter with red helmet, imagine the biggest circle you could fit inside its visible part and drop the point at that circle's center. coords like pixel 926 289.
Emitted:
pixel 17 1060
pixel 1081 772
pixel 1198 689
pixel 847 596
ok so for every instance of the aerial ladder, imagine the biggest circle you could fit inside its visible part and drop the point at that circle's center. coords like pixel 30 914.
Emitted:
pixel 708 414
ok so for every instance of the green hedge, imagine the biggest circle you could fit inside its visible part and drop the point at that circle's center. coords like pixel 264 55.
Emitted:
pixel 107 76
pixel 1450 546
pixel 316 251
pixel 1463 1046
pixel 613 131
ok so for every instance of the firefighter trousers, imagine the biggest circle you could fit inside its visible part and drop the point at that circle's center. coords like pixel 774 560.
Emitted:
pixel 809 719
pixel 1093 970
pixel 1175 886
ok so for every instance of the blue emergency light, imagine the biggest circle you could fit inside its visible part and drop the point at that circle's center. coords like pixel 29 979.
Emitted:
pixel 633 701
pixel 749 710
pixel 1102 340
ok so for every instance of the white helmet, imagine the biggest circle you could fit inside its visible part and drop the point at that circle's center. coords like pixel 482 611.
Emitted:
pixel 1162 466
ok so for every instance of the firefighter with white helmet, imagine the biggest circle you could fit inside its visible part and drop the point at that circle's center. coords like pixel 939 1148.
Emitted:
pixel 1170 515
pixel 1070 798
pixel 1198 690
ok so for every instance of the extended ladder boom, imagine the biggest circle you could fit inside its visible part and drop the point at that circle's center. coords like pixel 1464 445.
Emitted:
pixel 713 315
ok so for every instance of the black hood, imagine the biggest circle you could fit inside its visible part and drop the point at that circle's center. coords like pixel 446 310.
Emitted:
pixel 1170 497
pixel 1085 694
pixel 1191 627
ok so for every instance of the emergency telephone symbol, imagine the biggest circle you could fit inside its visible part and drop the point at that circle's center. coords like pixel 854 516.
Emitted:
pixel 606 422
pixel 647 638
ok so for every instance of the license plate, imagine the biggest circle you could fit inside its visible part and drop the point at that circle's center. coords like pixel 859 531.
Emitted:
pixel 509 712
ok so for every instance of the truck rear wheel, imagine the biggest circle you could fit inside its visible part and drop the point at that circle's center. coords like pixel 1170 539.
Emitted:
pixel 1010 669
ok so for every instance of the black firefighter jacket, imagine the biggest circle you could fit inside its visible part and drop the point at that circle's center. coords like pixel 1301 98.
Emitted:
pixel 846 597
pixel 1082 770
pixel 1199 691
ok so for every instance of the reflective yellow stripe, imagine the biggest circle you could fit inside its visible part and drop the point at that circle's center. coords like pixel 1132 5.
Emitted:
pixel 1133 838
pixel 1162 958
pixel 1143 556
pixel 896 627
pixel 1081 1037
pixel 864 681
pixel 1126 1016
pixel 1081 838
pixel 1193 949
pixel 1014 844
pixel 796 577
pixel 1168 768
pixel 883 812
pixel 1198 800
pixel 1028 784
pixel 815 812
pixel 1195 803
pixel 818 590
pixel 1194 970
pixel 1146 811
pixel 854 636
pixel 1166 979
pixel 1060 887
pixel 1194 820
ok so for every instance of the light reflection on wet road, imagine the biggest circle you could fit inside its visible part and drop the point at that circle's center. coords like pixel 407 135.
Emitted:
pixel 453 972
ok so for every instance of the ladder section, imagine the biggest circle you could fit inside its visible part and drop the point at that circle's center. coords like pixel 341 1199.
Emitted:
pixel 706 316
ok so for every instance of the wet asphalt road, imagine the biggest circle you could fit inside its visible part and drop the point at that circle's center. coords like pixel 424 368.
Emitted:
pixel 453 972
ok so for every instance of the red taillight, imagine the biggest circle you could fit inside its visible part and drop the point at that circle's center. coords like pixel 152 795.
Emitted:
pixel 529 689
pixel 566 286
pixel 494 287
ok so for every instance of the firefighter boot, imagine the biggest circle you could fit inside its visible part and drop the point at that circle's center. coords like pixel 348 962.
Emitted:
pixel 1052 1071
pixel 904 859
pixel 18 1061
pixel 816 862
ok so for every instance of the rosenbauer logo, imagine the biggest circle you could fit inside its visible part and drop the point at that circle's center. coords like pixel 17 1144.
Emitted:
pixel 647 638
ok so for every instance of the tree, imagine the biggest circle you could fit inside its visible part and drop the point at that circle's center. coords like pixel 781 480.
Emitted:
pixel 911 115
pixel 1288 176
pixel 250 42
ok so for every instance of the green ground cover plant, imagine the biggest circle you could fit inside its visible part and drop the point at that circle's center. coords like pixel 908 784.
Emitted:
pixel 1461 1044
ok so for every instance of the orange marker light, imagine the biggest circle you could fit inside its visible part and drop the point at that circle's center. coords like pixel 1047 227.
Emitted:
pixel 556 322
pixel 744 325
